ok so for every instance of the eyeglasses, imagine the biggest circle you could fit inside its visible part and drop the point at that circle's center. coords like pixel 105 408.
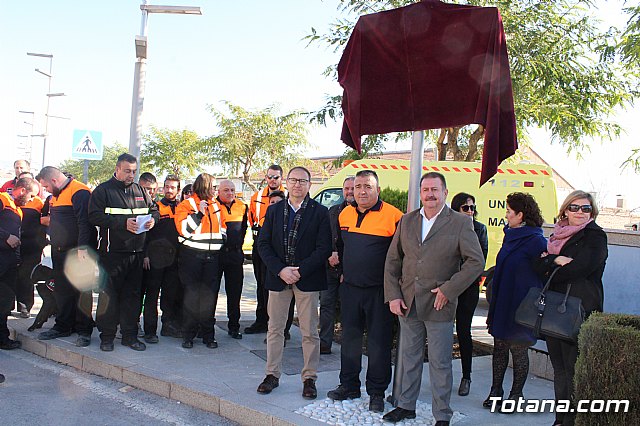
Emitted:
pixel 586 208
pixel 273 177
pixel 467 207
pixel 294 181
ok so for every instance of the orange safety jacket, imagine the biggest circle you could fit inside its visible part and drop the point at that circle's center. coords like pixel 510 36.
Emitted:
pixel 202 232
pixel 363 242
pixel 10 223
pixel 258 206
pixel 235 219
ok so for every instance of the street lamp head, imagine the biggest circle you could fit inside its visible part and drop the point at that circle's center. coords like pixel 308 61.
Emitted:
pixel 51 95
pixel 26 112
pixel 42 55
pixel 184 10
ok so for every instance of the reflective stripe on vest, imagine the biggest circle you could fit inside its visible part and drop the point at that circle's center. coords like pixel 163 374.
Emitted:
pixel 190 222
pixel 116 210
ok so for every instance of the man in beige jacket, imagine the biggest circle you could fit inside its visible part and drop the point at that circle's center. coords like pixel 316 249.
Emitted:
pixel 433 257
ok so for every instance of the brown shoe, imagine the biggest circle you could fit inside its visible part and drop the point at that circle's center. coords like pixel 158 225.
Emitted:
pixel 268 384
pixel 309 390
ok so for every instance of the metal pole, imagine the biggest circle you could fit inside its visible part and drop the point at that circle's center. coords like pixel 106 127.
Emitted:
pixel 85 172
pixel 46 118
pixel 413 202
pixel 137 102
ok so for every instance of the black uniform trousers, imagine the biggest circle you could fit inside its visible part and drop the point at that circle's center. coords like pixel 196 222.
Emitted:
pixel 563 356
pixel 364 307
pixel 262 295
pixel 467 303
pixel 328 300
pixel 154 279
pixel 73 306
pixel 24 286
pixel 7 297
pixel 171 297
pixel 119 300
pixel 231 261
pixel 199 276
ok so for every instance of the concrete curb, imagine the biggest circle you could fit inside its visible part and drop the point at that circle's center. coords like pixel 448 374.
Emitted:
pixel 230 408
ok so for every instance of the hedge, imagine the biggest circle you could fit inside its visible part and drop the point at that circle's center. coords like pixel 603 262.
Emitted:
pixel 608 367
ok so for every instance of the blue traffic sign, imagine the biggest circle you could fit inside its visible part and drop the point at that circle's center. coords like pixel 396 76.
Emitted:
pixel 87 145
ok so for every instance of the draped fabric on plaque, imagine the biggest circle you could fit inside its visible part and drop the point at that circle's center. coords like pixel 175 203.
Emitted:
pixel 427 66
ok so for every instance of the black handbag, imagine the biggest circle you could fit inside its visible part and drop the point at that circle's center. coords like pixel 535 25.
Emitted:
pixel 550 313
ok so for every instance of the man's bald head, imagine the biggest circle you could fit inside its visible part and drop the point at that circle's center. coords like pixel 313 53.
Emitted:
pixel 226 191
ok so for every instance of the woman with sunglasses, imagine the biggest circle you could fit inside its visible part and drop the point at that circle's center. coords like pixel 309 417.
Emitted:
pixel 513 276
pixel 468 300
pixel 579 248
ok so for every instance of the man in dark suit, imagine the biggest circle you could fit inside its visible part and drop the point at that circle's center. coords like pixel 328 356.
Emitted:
pixel 433 257
pixel 294 244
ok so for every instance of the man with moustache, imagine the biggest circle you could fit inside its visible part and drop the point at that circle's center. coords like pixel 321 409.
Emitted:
pixel 433 257
pixel 329 297
pixel 71 234
pixel 257 211
pixel 10 221
pixel 19 166
pixel 114 207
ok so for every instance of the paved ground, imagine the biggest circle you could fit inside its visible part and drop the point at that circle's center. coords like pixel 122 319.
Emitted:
pixel 223 380
pixel 39 391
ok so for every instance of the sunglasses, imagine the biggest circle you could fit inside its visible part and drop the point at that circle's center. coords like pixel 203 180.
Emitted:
pixel 273 177
pixel 586 208
pixel 467 208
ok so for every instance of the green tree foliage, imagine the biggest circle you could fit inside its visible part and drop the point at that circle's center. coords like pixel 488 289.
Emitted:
pixel 99 170
pixel 179 152
pixel 251 140
pixel 395 197
pixel 561 79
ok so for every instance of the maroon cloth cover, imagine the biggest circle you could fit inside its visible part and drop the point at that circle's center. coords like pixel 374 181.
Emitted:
pixel 430 65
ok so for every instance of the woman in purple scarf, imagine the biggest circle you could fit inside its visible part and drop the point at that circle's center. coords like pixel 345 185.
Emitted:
pixel 579 248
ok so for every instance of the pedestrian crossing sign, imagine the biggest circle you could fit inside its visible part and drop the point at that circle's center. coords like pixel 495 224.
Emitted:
pixel 87 145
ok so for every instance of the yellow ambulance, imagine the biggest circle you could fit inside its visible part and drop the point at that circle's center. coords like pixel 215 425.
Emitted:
pixel 461 177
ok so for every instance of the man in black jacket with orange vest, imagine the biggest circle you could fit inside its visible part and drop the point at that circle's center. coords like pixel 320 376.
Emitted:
pixel 121 208
pixel 161 267
pixel 366 231
pixel 71 234
pixel 10 222
pixel 234 213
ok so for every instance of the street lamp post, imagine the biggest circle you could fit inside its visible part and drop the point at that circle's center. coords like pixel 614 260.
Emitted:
pixel 139 76
pixel 30 123
pixel 49 96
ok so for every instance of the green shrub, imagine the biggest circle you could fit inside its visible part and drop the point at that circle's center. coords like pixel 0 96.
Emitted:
pixel 395 197
pixel 608 367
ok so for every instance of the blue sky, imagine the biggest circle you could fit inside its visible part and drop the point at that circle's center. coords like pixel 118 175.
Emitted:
pixel 248 52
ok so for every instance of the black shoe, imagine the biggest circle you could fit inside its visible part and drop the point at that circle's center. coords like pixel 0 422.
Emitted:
pixel 9 344
pixel 495 392
pixel 376 403
pixel 1 378
pixel 324 349
pixel 398 415
pixel 134 344
pixel 83 341
pixel 287 335
pixel 212 344
pixel 151 338
pixel 106 346
pixel 268 384
pixel 341 393
pixel 465 386
pixel 513 397
pixel 309 390
pixel 53 334
pixel 235 334
pixel 187 344
pixel 442 423
pixel 256 328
